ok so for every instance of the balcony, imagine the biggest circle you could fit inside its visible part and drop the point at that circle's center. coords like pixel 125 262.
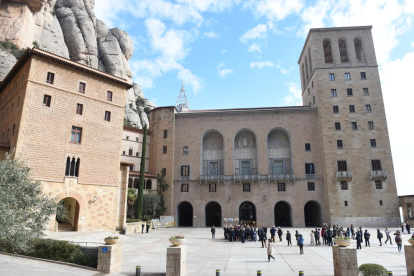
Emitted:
pixel 218 178
pixel 184 177
pixel 378 174
pixel 284 177
pixel 342 175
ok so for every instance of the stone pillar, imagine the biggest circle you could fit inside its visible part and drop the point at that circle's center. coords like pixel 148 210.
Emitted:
pixel 345 261
pixel 110 258
pixel 409 258
pixel 176 260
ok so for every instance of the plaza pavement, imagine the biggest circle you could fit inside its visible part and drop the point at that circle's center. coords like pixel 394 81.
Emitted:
pixel 205 255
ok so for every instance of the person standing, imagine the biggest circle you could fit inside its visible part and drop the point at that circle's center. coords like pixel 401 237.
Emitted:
pixel 262 238
pixel 379 236
pixel 289 238
pixel 301 241
pixel 270 251
pixel 143 227
pixel 213 232
pixel 366 237
pixel 297 237
pixel 358 239
pixel 148 226
pixel 312 238
pixel 398 240
pixel 254 235
pixel 317 237
pixel 272 234
pixel 362 234
pixel 408 226
pixel 280 233
pixel 329 236
pixel 242 235
pixel 387 234
pixel 353 231
pixel 323 234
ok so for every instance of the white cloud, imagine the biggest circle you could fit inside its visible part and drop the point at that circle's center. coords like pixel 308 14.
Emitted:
pixel 295 95
pixel 256 33
pixel 190 79
pixel 222 71
pixel 284 71
pixel 274 10
pixel 412 44
pixel 211 34
pixel 262 64
pixel 224 51
pixel 255 48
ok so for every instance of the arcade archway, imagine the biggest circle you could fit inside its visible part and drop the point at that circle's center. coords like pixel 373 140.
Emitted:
pixel 213 214
pixel 313 214
pixel 247 212
pixel 71 222
pixel 185 214
pixel 282 214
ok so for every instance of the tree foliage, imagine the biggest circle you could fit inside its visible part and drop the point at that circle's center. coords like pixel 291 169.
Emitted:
pixel 372 270
pixel 9 46
pixel 24 208
pixel 162 187
pixel 150 204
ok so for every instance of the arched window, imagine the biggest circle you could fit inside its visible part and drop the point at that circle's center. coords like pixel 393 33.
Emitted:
pixel 307 70
pixel 213 153
pixel 72 167
pixel 130 181
pixel 67 171
pixel 77 167
pixel 148 184
pixel 303 76
pixel 358 49
pixel 310 61
pixel 327 50
pixel 343 52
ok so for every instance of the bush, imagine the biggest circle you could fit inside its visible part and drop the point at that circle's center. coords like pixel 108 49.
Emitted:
pixel 61 251
pixel 372 270
pixel 133 220
pixel 16 51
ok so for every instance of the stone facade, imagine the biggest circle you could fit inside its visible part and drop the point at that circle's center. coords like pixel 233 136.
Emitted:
pixel 176 260
pixel 407 206
pixel 39 130
pixel 111 260
pixel 279 166
pixel 345 261
pixel 409 258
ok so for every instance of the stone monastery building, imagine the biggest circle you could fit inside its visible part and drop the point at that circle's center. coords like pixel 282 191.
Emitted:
pixel 326 161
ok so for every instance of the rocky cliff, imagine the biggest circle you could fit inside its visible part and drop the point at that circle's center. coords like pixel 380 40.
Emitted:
pixel 69 28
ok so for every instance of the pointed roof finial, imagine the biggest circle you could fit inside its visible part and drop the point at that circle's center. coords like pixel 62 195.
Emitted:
pixel 181 103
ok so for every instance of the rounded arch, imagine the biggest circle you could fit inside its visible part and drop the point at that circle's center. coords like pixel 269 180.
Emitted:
pixel 283 214
pixel 310 61
pixel 185 214
pixel 213 214
pixel 307 69
pixel 327 50
pixel 358 49
pixel 343 51
pixel 148 184
pixel 279 150
pixel 245 152
pixel 247 212
pixel 313 213
pixel 72 207
pixel 212 153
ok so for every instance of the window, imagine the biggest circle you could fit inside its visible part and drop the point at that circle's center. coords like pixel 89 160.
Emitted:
pixel 108 116
pixel 137 154
pixel 165 133
pixel 335 109
pixel 363 76
pixel 333 93
pixel 18 101
pixel 378 184
pixel 311 186
pixel 148 184
pixel 337 126
pixel 246 187
pixel 184 188
pixel 373 143
pixel 354 125
pixel 11 109
pixel 185 171
pixel 164 171
pixel 370 125
pixel 212 187
pixel 22 79
pixel 342 167
pixel 109 95
pixel 310 170
pixel 130 151
pixel 79 109
pixel 313 99
pixel 46 100
pixel 185 150
pixel 343 52
pixel 331 76
pixel 137 139
pixel 127 137
pixel 50 77
pixel 307 146
pixel 281 187
pixel 349 92
pixel 346 203
pixel 308 91
pixel 368 108
pixel 339 144
pixel 123 152
pixel 307 70
pixel 14 128
pixel 76 135
pixel 347 76
pixel 312 81
pixel 358 49
pixel 131 168
pixel 327 50
pixel 164 149
pixel 82 87
pixel 352 109
pixel 344 185
pixel 72 166
pixel 376 165
pixel 245 167
pixel 380 203
pixel 365 92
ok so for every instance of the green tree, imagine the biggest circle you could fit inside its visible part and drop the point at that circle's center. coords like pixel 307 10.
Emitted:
pixel 24 209
pixel 150 204
pixel 162 187
pixel 140 200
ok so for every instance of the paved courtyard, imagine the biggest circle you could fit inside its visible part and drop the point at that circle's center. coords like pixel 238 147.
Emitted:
pixel 204 255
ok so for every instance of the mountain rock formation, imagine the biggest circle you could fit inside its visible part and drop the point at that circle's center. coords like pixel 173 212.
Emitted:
pixel 69 28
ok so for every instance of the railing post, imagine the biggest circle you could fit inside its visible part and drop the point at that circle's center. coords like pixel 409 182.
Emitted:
pixel 301 273
pixel 389 273
pixel 138 271
pixel 218 272
pixel 259 273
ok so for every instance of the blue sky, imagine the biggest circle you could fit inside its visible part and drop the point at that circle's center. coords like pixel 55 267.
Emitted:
pixel 233 53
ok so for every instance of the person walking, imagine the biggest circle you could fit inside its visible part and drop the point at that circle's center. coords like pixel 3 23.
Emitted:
pixel 408 226
pixel 398 240
pixel 262 238
pixel 301 241
pixel 143 227
pixel 289 238
pixel 329 236
pixel 387 234
pixel 317 237
pixel 280 233
pixel 270 251
pixel 272 234
pixel 353 231
pixel 366 237
pixel 358 239
pixel 379 236
pixel 323 234
pixel 348 232
pixel 148 226
pixel 297 237
pixel 213 232
pixel 254 235
pixel 362 234
pixel 312 238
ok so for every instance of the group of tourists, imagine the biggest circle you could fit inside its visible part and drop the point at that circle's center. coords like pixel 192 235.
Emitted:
pixel 324 235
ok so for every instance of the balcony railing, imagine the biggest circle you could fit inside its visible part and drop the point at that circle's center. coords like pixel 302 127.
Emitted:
pixel 344 175
pixel 248 171
pixel 185 177
pixel 378 174
pixel 287 177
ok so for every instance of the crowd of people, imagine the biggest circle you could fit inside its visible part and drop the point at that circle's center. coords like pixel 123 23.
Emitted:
pixel 325 235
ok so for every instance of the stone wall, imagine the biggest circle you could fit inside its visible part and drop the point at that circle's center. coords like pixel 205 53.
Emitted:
pixel 111 261
pixel 407 204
